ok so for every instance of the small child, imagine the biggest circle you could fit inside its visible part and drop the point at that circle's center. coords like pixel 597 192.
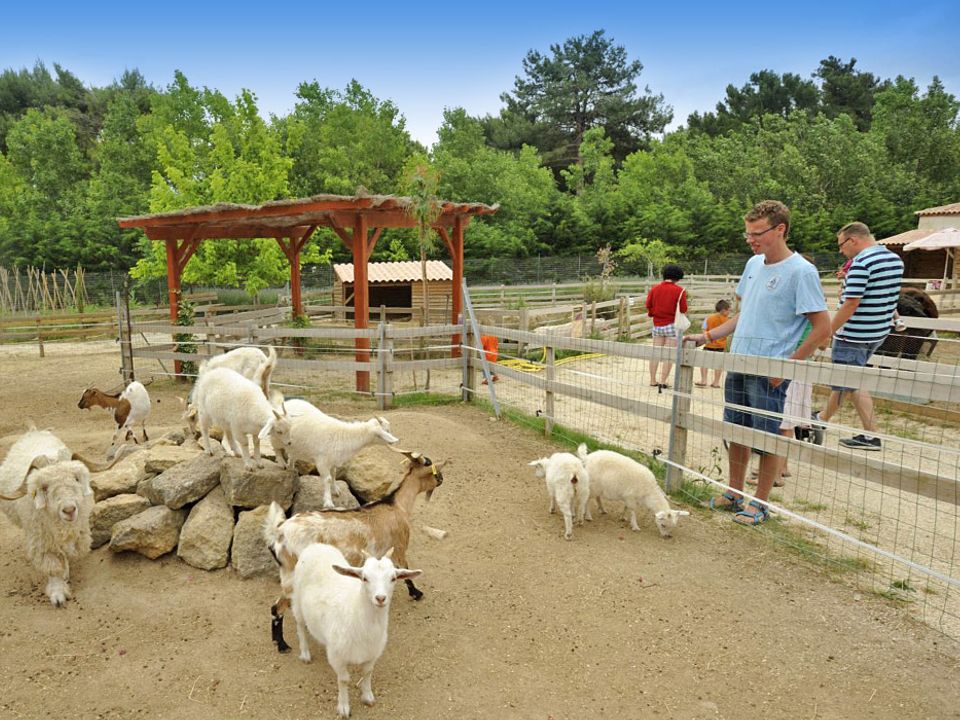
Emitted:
pixel 712 322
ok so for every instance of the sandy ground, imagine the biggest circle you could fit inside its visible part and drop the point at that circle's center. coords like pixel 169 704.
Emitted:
pixel 515 623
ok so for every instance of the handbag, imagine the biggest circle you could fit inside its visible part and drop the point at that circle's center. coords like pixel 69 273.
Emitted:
pixel 680 321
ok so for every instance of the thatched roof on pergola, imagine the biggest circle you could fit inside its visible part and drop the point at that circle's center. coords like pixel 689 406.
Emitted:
pixel 293 218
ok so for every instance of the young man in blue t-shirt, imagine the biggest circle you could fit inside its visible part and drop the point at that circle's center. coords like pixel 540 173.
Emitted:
pixel 863 321
pixel 779 292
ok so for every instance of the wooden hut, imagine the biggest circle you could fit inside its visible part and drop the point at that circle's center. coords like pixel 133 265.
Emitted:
pixel 925 264
pixel 398 285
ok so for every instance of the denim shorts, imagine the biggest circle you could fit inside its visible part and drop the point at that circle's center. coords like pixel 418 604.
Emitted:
pixel 754 391
pixel 845 352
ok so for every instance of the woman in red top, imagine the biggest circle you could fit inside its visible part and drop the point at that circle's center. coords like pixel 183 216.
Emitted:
pixel 662 307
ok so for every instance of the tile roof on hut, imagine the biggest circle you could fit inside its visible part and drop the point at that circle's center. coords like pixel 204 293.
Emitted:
pixel 951 209
pixel 387 272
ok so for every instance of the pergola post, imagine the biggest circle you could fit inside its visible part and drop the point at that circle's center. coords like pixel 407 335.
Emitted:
pixel 173 290
pixel 291 248
pixel 361 298
pixel 455 248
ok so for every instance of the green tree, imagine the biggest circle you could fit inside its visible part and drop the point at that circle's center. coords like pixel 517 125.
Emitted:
pixel 584 83
pixel 208 151
pixel 767 93
pixel 340 141
pixel 472 172
pixel 848 91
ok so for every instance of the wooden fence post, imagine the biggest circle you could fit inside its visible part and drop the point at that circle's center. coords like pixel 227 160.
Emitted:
pixel 385 364
pixel 548 403
pixel 39 336
pixel 525 326
pixel 680 410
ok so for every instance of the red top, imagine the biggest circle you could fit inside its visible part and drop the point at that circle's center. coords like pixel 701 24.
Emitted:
pixel 662 302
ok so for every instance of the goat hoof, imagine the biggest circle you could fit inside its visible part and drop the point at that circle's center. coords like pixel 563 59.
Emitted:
pixel 305 656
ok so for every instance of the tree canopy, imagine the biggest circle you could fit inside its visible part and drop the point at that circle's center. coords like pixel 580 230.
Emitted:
pixel 577 158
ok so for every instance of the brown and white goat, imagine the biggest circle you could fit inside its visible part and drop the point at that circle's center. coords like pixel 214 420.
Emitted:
pixel 370 530
pixel 131 407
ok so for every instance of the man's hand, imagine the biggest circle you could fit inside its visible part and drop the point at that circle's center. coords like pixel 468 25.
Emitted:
pixel 697 339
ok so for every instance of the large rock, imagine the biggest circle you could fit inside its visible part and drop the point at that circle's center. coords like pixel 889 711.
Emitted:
pixel 309 495
pixel 163 457
pixel 121 478
pixel 259 486
pixel 373 472
pixel 109 512
pixel 152 533
pixel 206 535
pixel 183 483
pixel 250 555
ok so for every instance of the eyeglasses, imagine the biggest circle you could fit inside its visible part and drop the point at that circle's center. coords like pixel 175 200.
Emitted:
pixel 840 246
pixel 758 233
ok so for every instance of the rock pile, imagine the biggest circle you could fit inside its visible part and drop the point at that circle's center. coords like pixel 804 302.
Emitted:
pixel 172 496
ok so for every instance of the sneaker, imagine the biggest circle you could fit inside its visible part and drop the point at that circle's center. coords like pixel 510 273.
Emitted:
pixel 817 429
pixel 862 442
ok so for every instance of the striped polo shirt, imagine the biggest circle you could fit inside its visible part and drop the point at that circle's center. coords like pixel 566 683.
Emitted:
pixel 874 277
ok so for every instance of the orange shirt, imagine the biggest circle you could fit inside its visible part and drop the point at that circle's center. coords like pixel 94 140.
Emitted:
pixel 712 322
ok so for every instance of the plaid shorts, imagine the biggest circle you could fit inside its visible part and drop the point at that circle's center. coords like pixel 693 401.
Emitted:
pixel 664 331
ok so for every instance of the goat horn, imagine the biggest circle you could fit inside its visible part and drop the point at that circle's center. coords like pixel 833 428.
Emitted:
pixel 99 467
pixel 20 494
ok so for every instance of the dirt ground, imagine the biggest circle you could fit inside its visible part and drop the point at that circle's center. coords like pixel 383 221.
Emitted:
pixel 515 622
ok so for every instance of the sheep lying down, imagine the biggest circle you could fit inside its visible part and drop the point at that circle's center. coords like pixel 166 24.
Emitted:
pixel 45 490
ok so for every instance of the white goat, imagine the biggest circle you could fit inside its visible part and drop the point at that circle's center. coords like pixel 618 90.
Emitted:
pixel 45 492
pixel 615 477
pixel 369 530
pixel 568 483
pixel 328 443
pixel 244 360
pixel 347 610
pixel 225 398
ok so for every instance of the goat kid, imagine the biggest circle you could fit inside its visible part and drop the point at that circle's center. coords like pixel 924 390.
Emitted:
pixel 328 443
pixel 347 610
pixel 568 484
pixel 130 407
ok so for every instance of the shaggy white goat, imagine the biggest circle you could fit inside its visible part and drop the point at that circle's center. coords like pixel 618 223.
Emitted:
pixel 568 483
pixel 225 398
pixel 138 397
pixel 48 495
pixel 328 443
pixel 615 477
pixel 347 610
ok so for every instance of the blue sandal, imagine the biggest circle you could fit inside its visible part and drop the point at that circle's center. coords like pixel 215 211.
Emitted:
pixel 753 519
pixel 735 504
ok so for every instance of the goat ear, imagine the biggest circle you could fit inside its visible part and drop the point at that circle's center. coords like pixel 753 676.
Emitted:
pixel 682 513
pixel 404 574
pixel 348 571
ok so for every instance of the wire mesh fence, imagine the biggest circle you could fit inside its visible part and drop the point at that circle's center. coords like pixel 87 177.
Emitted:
pixel 887 517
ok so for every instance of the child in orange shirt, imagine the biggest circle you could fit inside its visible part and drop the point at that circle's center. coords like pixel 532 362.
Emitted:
pixel 721 315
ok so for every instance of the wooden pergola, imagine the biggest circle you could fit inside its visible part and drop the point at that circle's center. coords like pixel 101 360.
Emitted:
pixel 357 220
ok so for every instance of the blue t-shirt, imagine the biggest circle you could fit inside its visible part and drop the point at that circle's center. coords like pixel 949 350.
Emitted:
pixel 875 277
pixel 773 301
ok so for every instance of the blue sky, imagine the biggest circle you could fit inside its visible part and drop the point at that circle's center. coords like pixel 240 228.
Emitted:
pixel 428 56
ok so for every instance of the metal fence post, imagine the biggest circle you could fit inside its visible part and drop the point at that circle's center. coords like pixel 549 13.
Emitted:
pixel 548 403
pixel 680 409
pixel 468 382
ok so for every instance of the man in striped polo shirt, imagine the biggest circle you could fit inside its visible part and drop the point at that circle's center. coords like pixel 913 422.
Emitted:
pixel 863 321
